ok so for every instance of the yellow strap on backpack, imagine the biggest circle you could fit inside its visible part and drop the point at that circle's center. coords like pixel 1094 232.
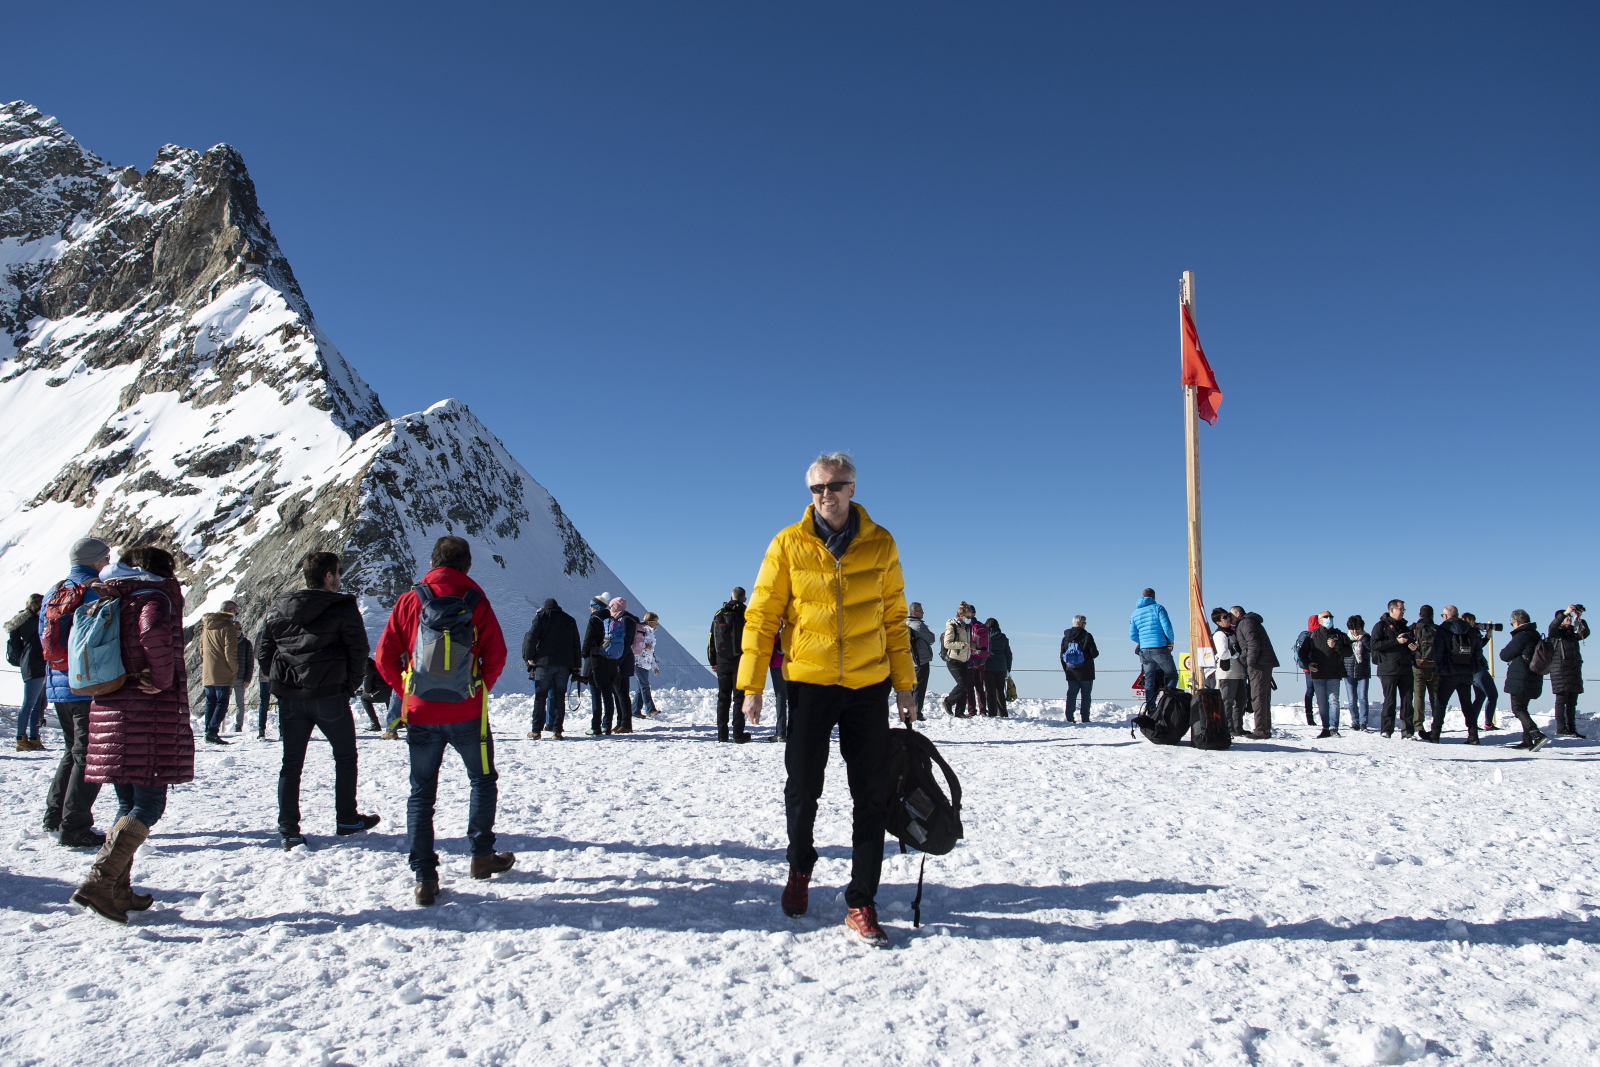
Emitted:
pixel 483 731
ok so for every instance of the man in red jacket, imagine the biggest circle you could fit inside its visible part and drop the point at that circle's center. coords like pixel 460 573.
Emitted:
pixel 455 603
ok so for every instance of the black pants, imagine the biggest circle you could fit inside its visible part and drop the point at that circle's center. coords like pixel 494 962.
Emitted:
pixel 625 694
pixel 1235 701
pixel 727 694
pixel 1396 693
pixel 1459 686
pixel 1519 709
pixel 603 678
pixel 994 689
pixel 814 710
pixel 1261 698
pixel 955 701
pixel 920 693
pixel 70 803
pixel 1566 713
pixel 296 720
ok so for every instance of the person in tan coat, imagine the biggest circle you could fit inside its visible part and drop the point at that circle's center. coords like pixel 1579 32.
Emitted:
pixel 219 665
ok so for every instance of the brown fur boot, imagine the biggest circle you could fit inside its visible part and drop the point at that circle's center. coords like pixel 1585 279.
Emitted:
pixel 102 892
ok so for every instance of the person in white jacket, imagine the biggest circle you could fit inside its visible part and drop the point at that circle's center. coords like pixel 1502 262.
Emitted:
pixel 1230 674
pixel 644 664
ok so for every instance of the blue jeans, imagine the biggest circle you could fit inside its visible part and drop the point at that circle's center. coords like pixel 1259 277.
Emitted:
pixel 646 701
pixel 31 714
pixel 143 802
pixel 549 698
pixel 1484 691
pixel 1152 660
pixel 1355 690
pixel 780 704
pixel 1326 691
pixel 216 707
pixel 426 744
pixel 1078 693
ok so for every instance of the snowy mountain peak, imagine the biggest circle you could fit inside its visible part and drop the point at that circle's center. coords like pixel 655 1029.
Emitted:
pixel 165 380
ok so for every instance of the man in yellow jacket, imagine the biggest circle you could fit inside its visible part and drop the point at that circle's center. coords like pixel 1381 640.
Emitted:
pixel 835 577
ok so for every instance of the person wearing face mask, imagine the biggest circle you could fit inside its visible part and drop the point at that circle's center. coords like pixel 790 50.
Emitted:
pixel 1322 654
pixel 1358 671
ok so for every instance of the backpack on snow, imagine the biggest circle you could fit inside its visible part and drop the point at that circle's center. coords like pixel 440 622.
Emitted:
pixel 53 635
pixel 1172 719
pixel 727 632
pixel 1542 658
pixel 1073 656
pixel 920 815
pixel 94 652
pixel 443 666
pixel 1461 651
pixel 1208 727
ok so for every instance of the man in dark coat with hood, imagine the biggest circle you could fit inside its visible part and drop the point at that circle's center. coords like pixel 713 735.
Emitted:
pixel 1456 648
pixel 313 649
pixel 1259 660
pixel 551 650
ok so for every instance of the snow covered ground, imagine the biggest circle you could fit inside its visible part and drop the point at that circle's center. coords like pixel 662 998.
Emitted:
pixel 1290 901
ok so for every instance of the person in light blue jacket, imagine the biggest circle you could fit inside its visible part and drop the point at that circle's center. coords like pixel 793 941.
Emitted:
pixel 1150 630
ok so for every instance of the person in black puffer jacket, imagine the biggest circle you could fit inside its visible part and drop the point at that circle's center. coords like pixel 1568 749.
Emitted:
pixel 313 648
pixel 1566 666
pixel 1522 683
pixel 1322 654
pixel 1259 659
pixel 1392 661
pixel 996 669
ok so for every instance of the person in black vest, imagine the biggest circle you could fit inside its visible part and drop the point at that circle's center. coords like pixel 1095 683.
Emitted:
pixel 724 646
pixel 1259 659
pixel 1522 683
pixel 1392 660
pixel 313 647
pixel 551 649
pixel 1566 666
pixel 1456 648
pixel 1080 675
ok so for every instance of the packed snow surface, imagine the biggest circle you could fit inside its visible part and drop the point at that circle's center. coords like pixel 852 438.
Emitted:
pixel 1290 901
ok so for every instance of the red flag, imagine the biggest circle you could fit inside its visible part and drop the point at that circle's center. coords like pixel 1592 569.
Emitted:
pixel 1197 372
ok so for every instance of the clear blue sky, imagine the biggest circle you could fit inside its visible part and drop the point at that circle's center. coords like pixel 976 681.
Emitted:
pixel 668 252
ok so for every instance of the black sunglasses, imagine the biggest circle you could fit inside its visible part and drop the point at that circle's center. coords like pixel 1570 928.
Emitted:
pixel 832 487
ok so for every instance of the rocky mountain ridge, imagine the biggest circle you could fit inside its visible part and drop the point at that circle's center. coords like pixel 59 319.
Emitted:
pixel 162 378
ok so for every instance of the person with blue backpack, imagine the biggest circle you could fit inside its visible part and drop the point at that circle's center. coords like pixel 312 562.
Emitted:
pixel 608 642
pixel 443 649
pixel 1150 630
pixel 69 806
pixel 1078 653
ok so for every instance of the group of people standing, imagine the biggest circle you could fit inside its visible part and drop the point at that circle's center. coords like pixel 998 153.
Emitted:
pixel 616 650
pixel 978 656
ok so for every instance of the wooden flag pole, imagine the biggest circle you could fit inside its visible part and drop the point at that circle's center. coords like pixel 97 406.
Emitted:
pixel 1199 628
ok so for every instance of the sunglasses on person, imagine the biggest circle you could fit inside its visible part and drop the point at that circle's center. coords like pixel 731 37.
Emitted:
pixel 831 487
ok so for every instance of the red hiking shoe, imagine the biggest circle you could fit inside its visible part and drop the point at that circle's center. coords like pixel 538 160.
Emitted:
pixel 796 895
pixel 862 924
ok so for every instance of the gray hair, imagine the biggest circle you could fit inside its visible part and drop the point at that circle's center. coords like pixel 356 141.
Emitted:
pixel 838 461
pixel 230 607
pixel 1079 620
pixel 1520 617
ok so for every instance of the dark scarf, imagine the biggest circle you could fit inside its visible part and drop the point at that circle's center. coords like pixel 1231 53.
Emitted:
pixel 839 541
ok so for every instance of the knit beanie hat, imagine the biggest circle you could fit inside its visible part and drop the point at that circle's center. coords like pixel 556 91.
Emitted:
pixel 87 551
pixel 617 607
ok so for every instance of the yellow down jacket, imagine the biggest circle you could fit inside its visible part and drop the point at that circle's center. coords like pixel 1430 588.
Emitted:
pixel 846 617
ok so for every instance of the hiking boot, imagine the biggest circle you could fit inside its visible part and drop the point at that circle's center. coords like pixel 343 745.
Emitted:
pixel 1472 739
pixel 101 891
pixel 556 736
pixel 492 863
pixel 389 735
pixel 862 924
pixel 740 739
pixel 796 894
pixel 215 739
pixel 23 746
pixel 289 841
pixel 362 825
pixel 534 735
pixel 1539 741
pixel 87 837
pixel 1324 733
pixel 424 892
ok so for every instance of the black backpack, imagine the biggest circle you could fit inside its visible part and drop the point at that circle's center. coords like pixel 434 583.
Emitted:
pixel 1171 721
pixel 920 815
pixel 727 633
pixel 1462 653
pixel 16 648
pixel 1209 725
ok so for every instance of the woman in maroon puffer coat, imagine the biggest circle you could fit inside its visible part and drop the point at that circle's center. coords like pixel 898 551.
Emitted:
pixel 140 740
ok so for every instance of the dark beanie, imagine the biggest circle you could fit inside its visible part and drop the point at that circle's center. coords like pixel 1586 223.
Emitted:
pixel 550 603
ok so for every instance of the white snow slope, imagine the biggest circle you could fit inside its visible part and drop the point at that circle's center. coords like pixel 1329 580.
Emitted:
pixel 1350 901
